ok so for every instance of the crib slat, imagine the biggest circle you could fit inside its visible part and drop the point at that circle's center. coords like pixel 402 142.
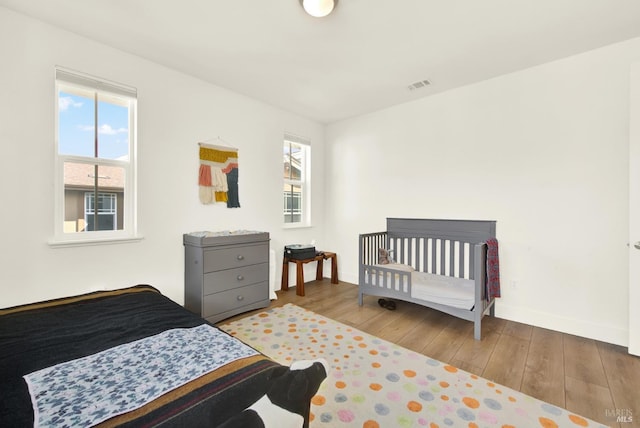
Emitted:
pixel 461 259
pixel 452 258
pixel 472 261
pixel 434 256
pixel 372 244
pixel 373 249
pixel 392 247
pixel 442 257
pixel 364 249
pixel 425 255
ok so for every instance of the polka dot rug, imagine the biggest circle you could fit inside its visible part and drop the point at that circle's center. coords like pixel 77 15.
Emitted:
pixel 377 384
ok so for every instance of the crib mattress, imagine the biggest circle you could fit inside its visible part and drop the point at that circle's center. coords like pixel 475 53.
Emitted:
pixel 445 290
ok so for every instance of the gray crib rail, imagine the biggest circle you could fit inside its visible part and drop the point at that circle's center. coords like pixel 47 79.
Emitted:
pixel 456 230
pixel 369 244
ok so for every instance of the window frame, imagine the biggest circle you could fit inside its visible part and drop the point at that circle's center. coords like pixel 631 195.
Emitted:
pixel 304 182
pixel 89 197
pixel 70 79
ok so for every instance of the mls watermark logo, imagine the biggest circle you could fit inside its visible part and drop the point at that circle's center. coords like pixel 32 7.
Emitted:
pixel 620 415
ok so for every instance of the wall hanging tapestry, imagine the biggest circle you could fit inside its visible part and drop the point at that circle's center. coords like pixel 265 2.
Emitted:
pixel 218 175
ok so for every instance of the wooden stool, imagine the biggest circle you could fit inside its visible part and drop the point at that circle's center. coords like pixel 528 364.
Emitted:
pixel 320 258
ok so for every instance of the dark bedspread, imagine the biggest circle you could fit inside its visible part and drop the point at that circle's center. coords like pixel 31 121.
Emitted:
pixel 37 336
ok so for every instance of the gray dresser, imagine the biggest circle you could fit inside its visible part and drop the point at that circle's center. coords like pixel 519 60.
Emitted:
pixel 226 273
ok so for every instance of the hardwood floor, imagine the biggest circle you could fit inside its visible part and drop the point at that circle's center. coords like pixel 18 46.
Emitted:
pixel 591 378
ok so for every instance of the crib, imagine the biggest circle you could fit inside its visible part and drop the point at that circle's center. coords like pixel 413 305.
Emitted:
pixel 440 264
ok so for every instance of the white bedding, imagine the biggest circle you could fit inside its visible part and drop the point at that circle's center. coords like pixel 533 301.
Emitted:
pixel 445 290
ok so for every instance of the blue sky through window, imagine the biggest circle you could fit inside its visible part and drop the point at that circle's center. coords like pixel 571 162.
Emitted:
pixel 76 125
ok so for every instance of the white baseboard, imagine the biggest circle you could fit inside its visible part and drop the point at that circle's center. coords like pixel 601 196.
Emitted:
pixel 582 328
pixel 353 279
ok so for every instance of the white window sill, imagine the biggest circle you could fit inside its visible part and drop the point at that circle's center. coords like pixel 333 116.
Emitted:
pixel 296 226
pixel 64 243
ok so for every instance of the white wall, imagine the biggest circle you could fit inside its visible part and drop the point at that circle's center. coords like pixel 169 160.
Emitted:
pixel 543 151
pixel 175 112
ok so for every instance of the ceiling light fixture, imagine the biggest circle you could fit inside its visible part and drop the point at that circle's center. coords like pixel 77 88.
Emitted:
pixel 318 8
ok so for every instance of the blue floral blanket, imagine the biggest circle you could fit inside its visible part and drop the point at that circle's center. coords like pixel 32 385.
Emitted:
pixel 92 389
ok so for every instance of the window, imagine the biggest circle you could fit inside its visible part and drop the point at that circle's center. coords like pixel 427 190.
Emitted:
pixel 106 209
pixel 296 161
pixel 95 160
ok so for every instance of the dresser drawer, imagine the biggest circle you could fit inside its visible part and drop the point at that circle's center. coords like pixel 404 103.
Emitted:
pixel 235 256
pixel 216 282
pixel 231 299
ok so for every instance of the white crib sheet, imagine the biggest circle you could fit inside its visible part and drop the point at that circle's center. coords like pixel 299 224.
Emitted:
pixel 445 290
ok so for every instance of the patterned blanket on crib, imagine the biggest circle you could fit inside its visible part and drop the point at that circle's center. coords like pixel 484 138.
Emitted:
pixel 493 269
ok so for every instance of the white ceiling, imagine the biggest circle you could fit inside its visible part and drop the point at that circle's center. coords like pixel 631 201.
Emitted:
pixel 359 59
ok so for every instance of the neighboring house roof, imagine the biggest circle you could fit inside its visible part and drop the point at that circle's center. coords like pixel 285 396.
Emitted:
pixel 82 175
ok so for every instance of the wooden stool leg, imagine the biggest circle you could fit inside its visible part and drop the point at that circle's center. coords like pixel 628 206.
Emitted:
pixel 299 278
pixel 284 284
pixel 334 269
pixel 319 268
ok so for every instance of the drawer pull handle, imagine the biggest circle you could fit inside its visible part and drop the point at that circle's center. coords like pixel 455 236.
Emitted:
pixel 240 278
pixel 240 298
pixel 240 257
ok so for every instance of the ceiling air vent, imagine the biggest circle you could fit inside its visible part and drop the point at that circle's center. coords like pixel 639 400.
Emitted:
pixel 418 85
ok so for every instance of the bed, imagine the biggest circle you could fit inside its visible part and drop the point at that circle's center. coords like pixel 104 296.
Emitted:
pixel 132 357
pixel 447 265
